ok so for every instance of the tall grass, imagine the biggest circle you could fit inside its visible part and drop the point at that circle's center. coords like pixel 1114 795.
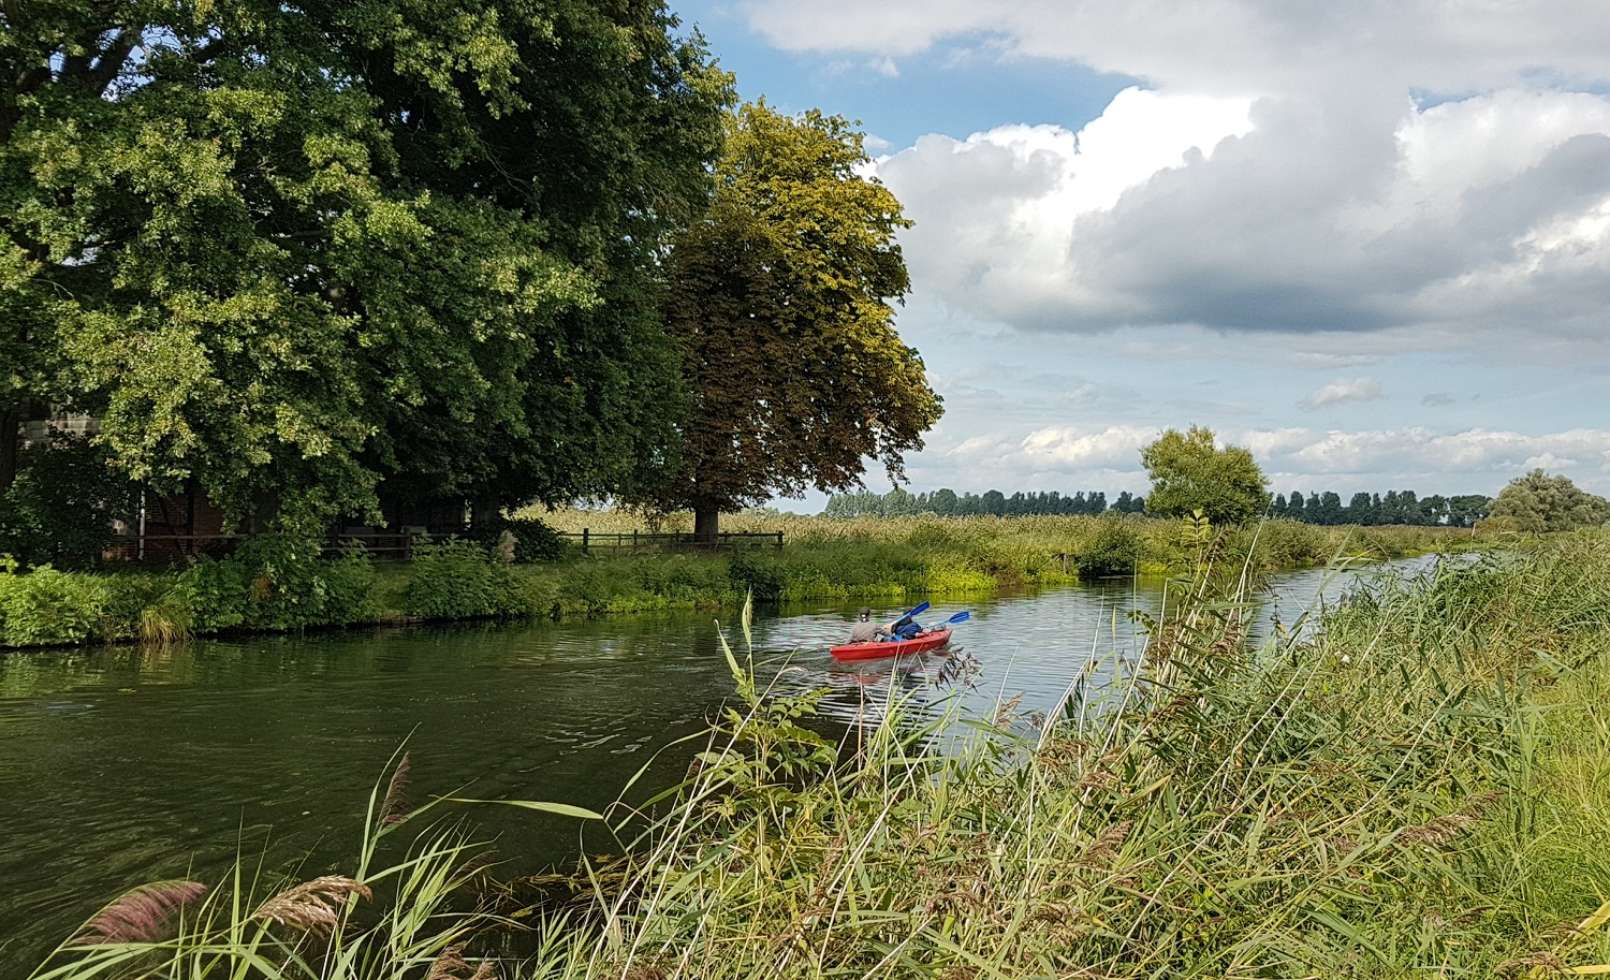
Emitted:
pixel 411 918
pixel 276 585
pixel 1415 789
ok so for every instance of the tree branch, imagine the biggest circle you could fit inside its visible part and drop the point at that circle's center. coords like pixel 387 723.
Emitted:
pixel 112 60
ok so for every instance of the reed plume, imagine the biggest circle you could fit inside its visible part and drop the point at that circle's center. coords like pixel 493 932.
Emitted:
pixel 394 809
pixel 451 965
pixel 142 914
pixel 1106 846
pixel 313 905
pixel 1440 830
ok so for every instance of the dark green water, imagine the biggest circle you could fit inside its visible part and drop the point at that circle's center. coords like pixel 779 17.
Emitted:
pixel 120 765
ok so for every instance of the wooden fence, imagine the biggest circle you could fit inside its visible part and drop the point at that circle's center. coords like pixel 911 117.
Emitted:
pixel 591 540
pixel 392 546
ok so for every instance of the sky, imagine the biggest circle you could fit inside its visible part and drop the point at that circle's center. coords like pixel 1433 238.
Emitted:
pixel 1368 240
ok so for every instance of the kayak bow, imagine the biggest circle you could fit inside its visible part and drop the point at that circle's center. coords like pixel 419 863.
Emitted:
pixel 883 648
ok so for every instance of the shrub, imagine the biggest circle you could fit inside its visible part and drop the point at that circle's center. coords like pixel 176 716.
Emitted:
pixel 534 541
pixel 1113 551
pixel 459 580
pixel 349 590
pixel 279 582
pixel 757 574
pixel 133 598
pixel 61 507
pixel 46 607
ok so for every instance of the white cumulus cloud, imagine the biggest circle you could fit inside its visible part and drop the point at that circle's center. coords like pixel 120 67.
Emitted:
pixel 1071 449
pixel 1343 390
pixel 1216 44
pixel 1286 213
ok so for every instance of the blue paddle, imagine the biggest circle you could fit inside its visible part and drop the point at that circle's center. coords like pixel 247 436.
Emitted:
pixel 918 611
pixel 960 617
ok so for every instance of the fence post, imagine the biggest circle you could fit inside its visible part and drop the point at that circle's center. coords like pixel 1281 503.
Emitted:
pixel 779 539
pixel 634 540
pixel 584 532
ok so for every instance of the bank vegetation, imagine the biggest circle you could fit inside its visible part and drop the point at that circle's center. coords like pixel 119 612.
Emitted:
pixel 1415 788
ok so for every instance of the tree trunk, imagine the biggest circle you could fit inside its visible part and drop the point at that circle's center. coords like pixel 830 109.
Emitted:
pixel 10 442
pixel 706 524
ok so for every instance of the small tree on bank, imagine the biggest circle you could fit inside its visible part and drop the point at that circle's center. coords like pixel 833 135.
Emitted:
pixel 780 300
pixel 1540 503
pixel 1190 474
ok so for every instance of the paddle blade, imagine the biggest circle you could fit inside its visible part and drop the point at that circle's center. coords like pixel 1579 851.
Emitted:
pixel 915 612
pixel 960 617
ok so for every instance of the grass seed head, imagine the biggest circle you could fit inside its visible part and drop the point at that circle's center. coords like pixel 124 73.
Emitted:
pixel 395 807
pixel 312 906
pixel 141 915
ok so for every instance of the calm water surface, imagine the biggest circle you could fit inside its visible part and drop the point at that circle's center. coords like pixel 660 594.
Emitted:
pixel 119 766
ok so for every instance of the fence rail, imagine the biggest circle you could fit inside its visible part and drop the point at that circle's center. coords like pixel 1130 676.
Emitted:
pixel 396 546
pixel 644 540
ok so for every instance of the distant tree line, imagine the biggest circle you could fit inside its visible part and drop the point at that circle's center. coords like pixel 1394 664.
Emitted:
pixel 1396 507
pixel 948 503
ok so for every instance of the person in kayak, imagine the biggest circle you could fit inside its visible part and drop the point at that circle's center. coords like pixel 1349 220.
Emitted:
pixel 866 631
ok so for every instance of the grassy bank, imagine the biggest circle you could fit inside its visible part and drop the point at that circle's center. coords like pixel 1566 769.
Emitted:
pixel 1417 791
pixel 278 585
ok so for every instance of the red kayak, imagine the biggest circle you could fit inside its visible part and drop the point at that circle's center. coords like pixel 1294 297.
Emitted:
pixel 884 648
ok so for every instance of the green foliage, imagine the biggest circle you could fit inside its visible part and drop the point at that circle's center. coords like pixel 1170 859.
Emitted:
pixel 1421 781
pixel 279 582
pixel 1190 474
pixel 61 508
pixel 1397 507
pixel 1113 550
pixel 295 251
pixel 780 299
pixel 947 503
pixel 1539 503
pixel 46 607
pixel 534 541
pixel 461 580
pixel 641 584
pixel 375 921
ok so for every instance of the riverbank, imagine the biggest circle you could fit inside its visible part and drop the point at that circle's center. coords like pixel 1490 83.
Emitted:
pixel 276 585
pixel 1417 789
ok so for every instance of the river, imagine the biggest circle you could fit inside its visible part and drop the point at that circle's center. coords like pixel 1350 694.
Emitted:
pixel 123 765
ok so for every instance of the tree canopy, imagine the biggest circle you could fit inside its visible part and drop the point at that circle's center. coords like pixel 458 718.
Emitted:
pixel 295 251
pixel 1395 507
pixel 948 503
pixel 781 302
pixel 1539 503
pixel 1189 473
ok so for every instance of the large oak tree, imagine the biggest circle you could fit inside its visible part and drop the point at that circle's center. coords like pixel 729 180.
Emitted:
pixel 295 251
pixel 781 300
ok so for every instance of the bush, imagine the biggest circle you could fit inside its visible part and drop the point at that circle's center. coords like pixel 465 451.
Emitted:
pixel 756 574
pixel 534 541
pixel 279 582
pixel 1113 551
pixel 60 509
pixel 47 607
pixel 460 580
